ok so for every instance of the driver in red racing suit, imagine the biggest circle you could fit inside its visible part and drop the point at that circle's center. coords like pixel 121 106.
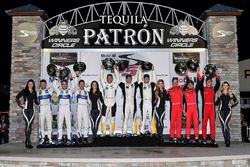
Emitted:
pixel 208 98
pixel 176 103
pixel 190 98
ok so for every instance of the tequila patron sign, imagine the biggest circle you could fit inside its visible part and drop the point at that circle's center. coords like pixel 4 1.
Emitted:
pixel 123 31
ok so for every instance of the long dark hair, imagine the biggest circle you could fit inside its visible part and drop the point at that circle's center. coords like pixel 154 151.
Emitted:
pixel 26 89
pixel 97 87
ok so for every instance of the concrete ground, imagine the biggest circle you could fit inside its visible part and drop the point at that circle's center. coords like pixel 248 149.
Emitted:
pixel 18 150
pixel 16 155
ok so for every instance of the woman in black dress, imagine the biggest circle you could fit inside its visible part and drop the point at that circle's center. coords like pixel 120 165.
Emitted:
pixel 95 96
pixel 226 101
pixel 29 96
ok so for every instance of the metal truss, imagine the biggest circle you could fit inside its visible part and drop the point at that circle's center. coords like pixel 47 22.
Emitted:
pixel 152 12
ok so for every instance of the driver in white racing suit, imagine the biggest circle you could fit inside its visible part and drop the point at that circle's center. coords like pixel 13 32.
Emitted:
pixel 64 96
pixel 147 87
pixel 110 86
pixel 45 113
pixel 83 102
pixel 129 88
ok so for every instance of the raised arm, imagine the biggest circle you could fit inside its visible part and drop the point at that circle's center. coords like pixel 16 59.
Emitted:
pixel 117 77
pixel 197 87
pixel 50 89
pixel 140 75
pixel 200 79
pixel 136 77
pixel 201 83
pixel 153 75
pixel 217 84
pixel 71 82
pixel 102 79
pixel 74 84
pixel 55 86
pixel 184 87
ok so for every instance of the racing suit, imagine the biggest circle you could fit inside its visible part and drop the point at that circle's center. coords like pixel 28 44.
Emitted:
pixel 176 109
pixel 129 103
pixel 190 98
pixel 147 102
pixel 64 97
pixel 83 102
pixel 208 98
pixel 109 105
pixel 45 113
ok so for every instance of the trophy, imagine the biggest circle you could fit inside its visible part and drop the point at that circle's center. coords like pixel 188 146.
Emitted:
pixel 146 66
pixel 192 65
pixel 79 66
pixel 180 69
pixel 123 64
pixel 210 70
pixel 64 73
pixel 108 63
pixel 51 70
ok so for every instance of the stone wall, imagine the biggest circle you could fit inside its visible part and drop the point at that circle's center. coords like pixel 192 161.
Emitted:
pixel 25 65
pixel 225 56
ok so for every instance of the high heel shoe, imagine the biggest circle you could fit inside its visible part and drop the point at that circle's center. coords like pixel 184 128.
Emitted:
pixel 26 144
pixel 227 143
pixel 29 145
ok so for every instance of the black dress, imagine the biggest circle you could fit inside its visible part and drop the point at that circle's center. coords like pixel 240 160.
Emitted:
pixel 95 111
pixel 226 103
pixel 28 111
pixel 159 106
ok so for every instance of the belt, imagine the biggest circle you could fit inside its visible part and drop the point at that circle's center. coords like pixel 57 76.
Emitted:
pixel 176 103
pixel 44 104
pixel 191 103
pixel 64 104
pixel 109 97
pixel 209 103
pixel 81 104
pixel 147 99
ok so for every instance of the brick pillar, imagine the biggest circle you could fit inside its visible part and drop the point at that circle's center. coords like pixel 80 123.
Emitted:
pixel 25 64
pixel 221 29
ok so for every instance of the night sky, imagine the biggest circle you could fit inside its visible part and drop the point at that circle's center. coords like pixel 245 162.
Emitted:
pixel 193 7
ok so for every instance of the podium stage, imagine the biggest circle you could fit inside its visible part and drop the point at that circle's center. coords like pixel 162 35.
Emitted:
pixel 132 141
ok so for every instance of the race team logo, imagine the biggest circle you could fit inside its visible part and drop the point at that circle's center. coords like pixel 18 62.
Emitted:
pixel 183 28
pixel 63 28
pixel 223 33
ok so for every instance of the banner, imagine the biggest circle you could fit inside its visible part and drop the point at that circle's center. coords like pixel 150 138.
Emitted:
pixel 123 31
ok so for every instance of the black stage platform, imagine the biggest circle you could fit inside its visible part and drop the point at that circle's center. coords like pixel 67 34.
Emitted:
pixel 132 141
